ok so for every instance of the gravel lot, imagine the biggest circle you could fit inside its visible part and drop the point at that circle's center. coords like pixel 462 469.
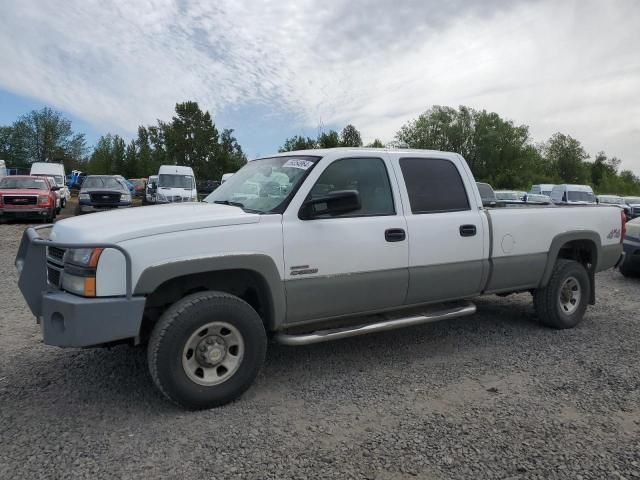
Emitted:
pixel 489 396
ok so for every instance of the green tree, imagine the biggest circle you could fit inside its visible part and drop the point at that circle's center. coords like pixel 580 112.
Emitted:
pixel 298 142
pixel 191 137
pixel 131 167
pixel 47 136
pixel 377 143
pixel 566 156
pixel 329 139
pixel 230 157
pixel 350 137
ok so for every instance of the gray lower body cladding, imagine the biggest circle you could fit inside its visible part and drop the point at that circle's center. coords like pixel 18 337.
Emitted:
pixel 71 321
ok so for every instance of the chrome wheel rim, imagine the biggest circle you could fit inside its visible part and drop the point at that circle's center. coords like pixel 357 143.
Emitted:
pixel 570 295
pixel 213 353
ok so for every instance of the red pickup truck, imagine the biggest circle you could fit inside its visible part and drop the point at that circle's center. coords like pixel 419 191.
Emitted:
pixel 27 197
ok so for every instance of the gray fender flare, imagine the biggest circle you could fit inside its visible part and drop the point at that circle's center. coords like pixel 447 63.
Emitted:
pixel 562 239
pixel 154 276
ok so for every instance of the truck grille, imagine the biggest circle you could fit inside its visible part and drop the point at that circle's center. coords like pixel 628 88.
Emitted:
pixel 105 198
pixel 56 254
pixel 53 276
pixel 20 199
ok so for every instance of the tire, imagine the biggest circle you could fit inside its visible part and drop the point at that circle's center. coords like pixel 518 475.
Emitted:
pixel 628 270
pixel 77 210
pixel 555 307
pixel 187 326
pixel 63 203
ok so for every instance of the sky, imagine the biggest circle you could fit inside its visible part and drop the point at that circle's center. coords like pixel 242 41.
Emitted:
pixel 274 69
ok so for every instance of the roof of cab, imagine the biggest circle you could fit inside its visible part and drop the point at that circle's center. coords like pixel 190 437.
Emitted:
pixel 321 152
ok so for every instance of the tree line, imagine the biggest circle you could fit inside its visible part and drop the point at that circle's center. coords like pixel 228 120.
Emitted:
pixel 497 150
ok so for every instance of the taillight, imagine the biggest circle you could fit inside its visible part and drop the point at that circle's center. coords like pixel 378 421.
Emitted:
pixel 623 227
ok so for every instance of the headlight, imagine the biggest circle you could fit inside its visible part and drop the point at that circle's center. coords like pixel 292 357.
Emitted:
pixel 79 275
pixel 125 197
pixel 84 196
pixel 84 257
pixel 80 285
pixel 43 200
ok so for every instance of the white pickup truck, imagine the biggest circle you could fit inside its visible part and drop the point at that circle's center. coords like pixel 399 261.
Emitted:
pixel 305 247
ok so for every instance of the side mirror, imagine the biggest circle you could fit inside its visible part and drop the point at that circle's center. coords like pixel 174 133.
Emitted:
pixel 335 203
pixel 154 186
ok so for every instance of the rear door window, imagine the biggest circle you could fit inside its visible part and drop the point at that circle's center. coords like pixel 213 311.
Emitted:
pixel 434 185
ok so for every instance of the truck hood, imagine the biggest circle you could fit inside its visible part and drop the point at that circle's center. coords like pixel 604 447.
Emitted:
pixel 23 191
pixel 120 225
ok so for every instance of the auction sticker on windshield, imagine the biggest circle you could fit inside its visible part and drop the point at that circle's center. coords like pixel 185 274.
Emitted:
pixel 298 163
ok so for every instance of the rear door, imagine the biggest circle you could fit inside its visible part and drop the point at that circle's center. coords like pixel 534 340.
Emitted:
pixel 350 263
pixel 448 235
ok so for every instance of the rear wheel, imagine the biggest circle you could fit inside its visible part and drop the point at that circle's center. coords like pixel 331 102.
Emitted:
pixel 563 302
pixel 206 350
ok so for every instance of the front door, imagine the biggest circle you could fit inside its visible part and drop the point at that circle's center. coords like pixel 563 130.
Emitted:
pixel 350 263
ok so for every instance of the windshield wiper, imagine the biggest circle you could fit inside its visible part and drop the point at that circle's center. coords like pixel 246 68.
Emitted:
pixel 237 204
pixel 228 202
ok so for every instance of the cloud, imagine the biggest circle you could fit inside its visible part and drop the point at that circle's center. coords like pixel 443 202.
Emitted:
pixel 557 66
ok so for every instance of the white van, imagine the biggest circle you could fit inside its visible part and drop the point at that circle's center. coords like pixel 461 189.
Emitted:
pixel 542 189
pixel 572 194
pixel 3 169
pixel 225 177
pixel 176 184
pixel 55 170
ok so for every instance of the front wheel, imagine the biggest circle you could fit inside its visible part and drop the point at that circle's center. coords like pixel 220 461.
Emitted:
pixel 562 303
pixel 206 350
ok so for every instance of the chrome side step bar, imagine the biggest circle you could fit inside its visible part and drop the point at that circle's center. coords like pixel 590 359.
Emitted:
pixel 388 323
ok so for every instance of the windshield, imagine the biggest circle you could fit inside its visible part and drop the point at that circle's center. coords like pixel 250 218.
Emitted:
pixel 9 183
pixel 486 192
pixel 574 196
pixel 168 180
pixel 263 185
pixel 612 200
pixel 632 200
pixel 507 196
pixel 102 182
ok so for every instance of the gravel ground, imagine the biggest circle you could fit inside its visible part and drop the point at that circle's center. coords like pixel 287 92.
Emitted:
pixel 489 396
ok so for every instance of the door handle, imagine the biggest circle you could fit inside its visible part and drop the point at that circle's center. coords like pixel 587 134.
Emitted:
pixel 467 230
pixel 394 235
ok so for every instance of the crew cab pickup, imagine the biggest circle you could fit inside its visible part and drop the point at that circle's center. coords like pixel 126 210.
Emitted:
pixel 304 247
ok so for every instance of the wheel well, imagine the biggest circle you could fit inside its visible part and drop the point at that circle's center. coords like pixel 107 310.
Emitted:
pixel 582 251
pixel 248 285
pixel 585 252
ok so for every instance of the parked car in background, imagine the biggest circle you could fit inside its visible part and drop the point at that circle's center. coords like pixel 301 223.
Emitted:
pixel 537 198
pixel 573 194
pixel 634 206
pixel 225 177
pixel 102 192
pixel 150 190
pixel 58 193
pixel 487 195
pixel 630 267
pixel 23 196
pixel 205 187
pixel 130 186
pixel 55 170
pixel 337 243
pixel 507 195
pixel 176 183
pixel 521 195
pixel 543 189
pixel 139 186
pixel 615 200
pixel 75 179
